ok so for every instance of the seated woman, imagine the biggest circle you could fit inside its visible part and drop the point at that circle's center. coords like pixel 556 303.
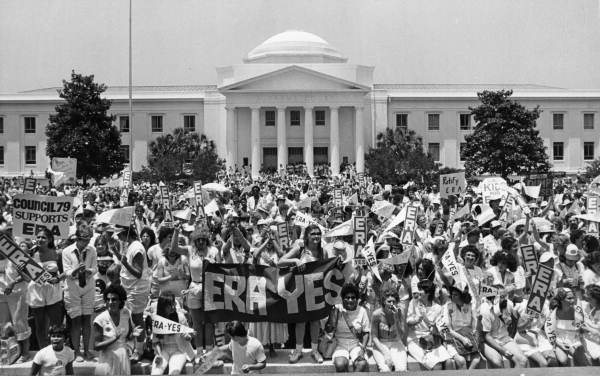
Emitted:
pixel 460 322
pixel 387 327
pixel 171 350
pixel 113 329
pixel 591 323
pixel 424 341
pixel 563 326
pixel 351 325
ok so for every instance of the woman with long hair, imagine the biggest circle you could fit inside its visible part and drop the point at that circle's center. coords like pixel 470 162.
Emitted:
pixel 563 326
pixel 46 298
pixel 303 251
pixel 171 350
pixel 591 273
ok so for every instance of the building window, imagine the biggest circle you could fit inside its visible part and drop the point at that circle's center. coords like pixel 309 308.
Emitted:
pixel 402 120
pixel 461 151
pixel 269 118
pixel 1 155
pixel 1 125
pixel 433 122
pixel 320 117
pixel 465 122
pixel 125 152
pixel 29 124
pixel 157 123
pixel 434 151
pixel 588 151
pixel 295 117
pixel 558 121
pixel 124 124
pixel 588 121
pixel 30 155
pixel 189 123
pixel 558 151
pixel 295 151
pixel 245 161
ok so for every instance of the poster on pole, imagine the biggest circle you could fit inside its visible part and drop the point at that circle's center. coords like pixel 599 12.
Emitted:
pixel 592 205
pixel 68 166
pixel 29 186
pixel 545 181
pixel 198 198
pixel 25 263
pixel 493 189
pixel 31 213
pixel 410 225
pixel 337 197
pixel 283 235
pixel 530 259
pixel 452 184
pixel 541 285
pixel 360 234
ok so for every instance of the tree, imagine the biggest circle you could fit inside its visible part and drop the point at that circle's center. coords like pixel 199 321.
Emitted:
pixel 81 128
pixel 169 155
pixel 592 169
pixel 399 157
pixel 504 141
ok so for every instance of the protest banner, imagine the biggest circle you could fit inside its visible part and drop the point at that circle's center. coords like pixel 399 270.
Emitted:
pixel 545 181
pixel 368 253
pixel 492 189
pixel 592 228
pixel 541 285
pixel 486 291
pixel 164 197
pixel 252 293
pixel 360 234
pixel 361 179
pixel 31 213
pixel 126 178
pixel 592 204
pixel 506 212
pixel 337 197
pixel 25 263
pixel 452 184
pixel 530 259
pixel 283 235
pixel 451 264
pixel 29 186
pixel 68 166
pixel 162 325
pixel 198 198
pixel 410 225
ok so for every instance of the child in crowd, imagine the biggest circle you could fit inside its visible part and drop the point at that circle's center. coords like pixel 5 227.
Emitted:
pixel 56 358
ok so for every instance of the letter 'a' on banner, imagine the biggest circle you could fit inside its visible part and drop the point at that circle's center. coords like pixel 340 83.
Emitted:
pixel 255 293
pixel 410 225
pixel 161 325
pixel 540 288
pixel 25 263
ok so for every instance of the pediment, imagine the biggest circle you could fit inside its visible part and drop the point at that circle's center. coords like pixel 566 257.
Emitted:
pixel 293 78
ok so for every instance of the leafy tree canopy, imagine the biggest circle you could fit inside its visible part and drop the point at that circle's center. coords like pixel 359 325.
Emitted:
pixel 182 155
pixel 504 141
pixel 592 170
pixel 399 157
pixel 81 128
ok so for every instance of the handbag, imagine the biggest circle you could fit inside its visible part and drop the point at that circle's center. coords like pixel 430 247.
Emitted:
pixel 461 348
pixel 328 341
pixel 431 341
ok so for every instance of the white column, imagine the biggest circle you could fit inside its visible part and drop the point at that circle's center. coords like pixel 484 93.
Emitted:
pixel 255 137
pixel 281 139
pixel 308 140
pixel 231 157
pixel 359 140
pixel 334 141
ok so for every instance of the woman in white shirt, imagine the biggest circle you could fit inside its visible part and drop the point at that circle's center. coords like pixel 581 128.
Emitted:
pixel 460 323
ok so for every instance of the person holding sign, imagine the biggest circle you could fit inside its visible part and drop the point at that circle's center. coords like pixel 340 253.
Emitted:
pixel 563 327
pixel 171 350
pixel 113 328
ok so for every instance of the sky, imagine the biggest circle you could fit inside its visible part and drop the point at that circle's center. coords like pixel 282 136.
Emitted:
pixel 181 42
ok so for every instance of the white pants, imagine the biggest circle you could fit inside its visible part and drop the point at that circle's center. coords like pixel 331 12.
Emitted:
pixel 397 354
pixel 173 358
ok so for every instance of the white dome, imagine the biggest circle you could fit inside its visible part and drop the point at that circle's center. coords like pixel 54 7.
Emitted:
pixel 295 46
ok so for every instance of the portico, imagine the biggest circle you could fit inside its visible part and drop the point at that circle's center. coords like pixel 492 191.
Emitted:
pixel 296 100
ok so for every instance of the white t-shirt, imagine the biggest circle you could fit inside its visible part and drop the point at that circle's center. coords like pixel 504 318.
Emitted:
pixel 53 363
pixel 252 353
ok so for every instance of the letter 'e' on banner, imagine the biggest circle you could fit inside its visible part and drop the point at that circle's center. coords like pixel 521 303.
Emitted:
pixel 164 197
pixel 29 186
pixel 360 234
pixel 530 259
pixel 283 234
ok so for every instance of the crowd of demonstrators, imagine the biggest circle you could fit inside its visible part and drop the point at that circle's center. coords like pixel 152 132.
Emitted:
pixel 107 280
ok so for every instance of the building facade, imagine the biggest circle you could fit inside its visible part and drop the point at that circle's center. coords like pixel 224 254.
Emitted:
pixel 295 99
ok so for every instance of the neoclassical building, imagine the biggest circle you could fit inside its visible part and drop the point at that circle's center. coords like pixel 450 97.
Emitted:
pixel 295 98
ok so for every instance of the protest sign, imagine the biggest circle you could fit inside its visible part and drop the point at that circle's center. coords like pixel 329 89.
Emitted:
pixel 592 205
pixel 161 325
pixel 164 197
pixel 545 182
pixel 284 235
pixel 29 186
pixel 68 166
pixel 25 263
pixel 541 285
pixel 198 198
pixel 530 259
pixel 451 264
pixel 368 253
pixel 337 197
pixel 252 293
pixel 486 291
pixel 31 213
pixel 506 212
pixel 592 228
pixel 492 189
pixel 410 225
pixel 360 234
pixel 452 184
pixel 127 178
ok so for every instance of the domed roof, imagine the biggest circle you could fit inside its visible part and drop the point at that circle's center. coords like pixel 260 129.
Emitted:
pixel 294 46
